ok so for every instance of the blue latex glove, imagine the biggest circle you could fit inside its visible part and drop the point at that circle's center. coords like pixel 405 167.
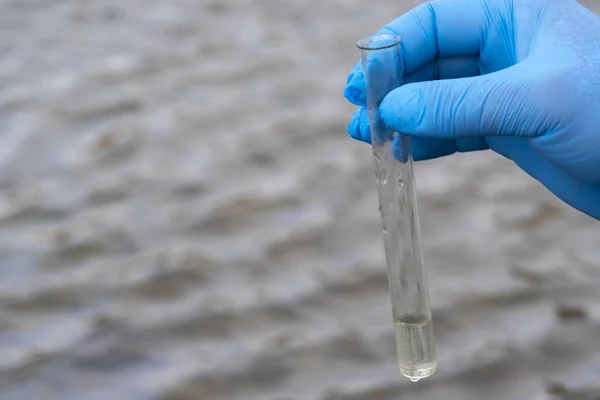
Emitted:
pixel 520 77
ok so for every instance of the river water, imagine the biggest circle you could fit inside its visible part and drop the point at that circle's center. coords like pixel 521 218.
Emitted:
pixel 182 216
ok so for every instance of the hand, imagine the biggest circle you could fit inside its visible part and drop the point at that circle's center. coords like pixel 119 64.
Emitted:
pixel 520 77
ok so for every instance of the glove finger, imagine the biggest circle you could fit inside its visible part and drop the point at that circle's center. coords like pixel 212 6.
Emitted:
pixel 444 68
pixel 359 127
pixel 422 148
pixel 439 29
pixel 356 69
pixel 427 149
pixel 497 104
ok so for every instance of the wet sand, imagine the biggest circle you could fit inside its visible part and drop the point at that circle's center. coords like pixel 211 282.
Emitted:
pixel 182 216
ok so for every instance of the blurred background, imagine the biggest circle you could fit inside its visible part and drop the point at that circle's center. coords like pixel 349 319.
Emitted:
pixel 183 216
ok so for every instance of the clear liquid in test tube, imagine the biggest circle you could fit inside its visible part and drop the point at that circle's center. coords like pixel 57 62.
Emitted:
pixel 415 342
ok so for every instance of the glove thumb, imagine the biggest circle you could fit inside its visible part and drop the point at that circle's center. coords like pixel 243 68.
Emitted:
pixel 497 104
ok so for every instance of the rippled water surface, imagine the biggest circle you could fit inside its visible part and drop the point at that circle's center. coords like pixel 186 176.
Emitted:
pixel 182 216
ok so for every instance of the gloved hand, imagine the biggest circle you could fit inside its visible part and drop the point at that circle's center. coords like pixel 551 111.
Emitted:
pixel 520 77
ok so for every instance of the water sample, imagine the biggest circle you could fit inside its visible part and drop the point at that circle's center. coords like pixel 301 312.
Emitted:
pixel 392 153
pixel 415 346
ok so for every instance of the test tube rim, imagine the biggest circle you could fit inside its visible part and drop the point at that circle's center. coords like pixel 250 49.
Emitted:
pixel 366 43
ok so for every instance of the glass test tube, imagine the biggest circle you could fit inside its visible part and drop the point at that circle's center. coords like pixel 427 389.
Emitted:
pixel 382 67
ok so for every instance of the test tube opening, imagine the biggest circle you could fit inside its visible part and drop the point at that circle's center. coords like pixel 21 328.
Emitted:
pixel 378 42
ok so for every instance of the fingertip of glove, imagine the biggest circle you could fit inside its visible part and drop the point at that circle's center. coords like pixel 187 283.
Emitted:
pixel 354 95
pixel 359 126
pixel 354 91
pixel 350 94
pixel 402 109
pixel 356 69
pixel 349 78
pixel 353 125
pixel 365 125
